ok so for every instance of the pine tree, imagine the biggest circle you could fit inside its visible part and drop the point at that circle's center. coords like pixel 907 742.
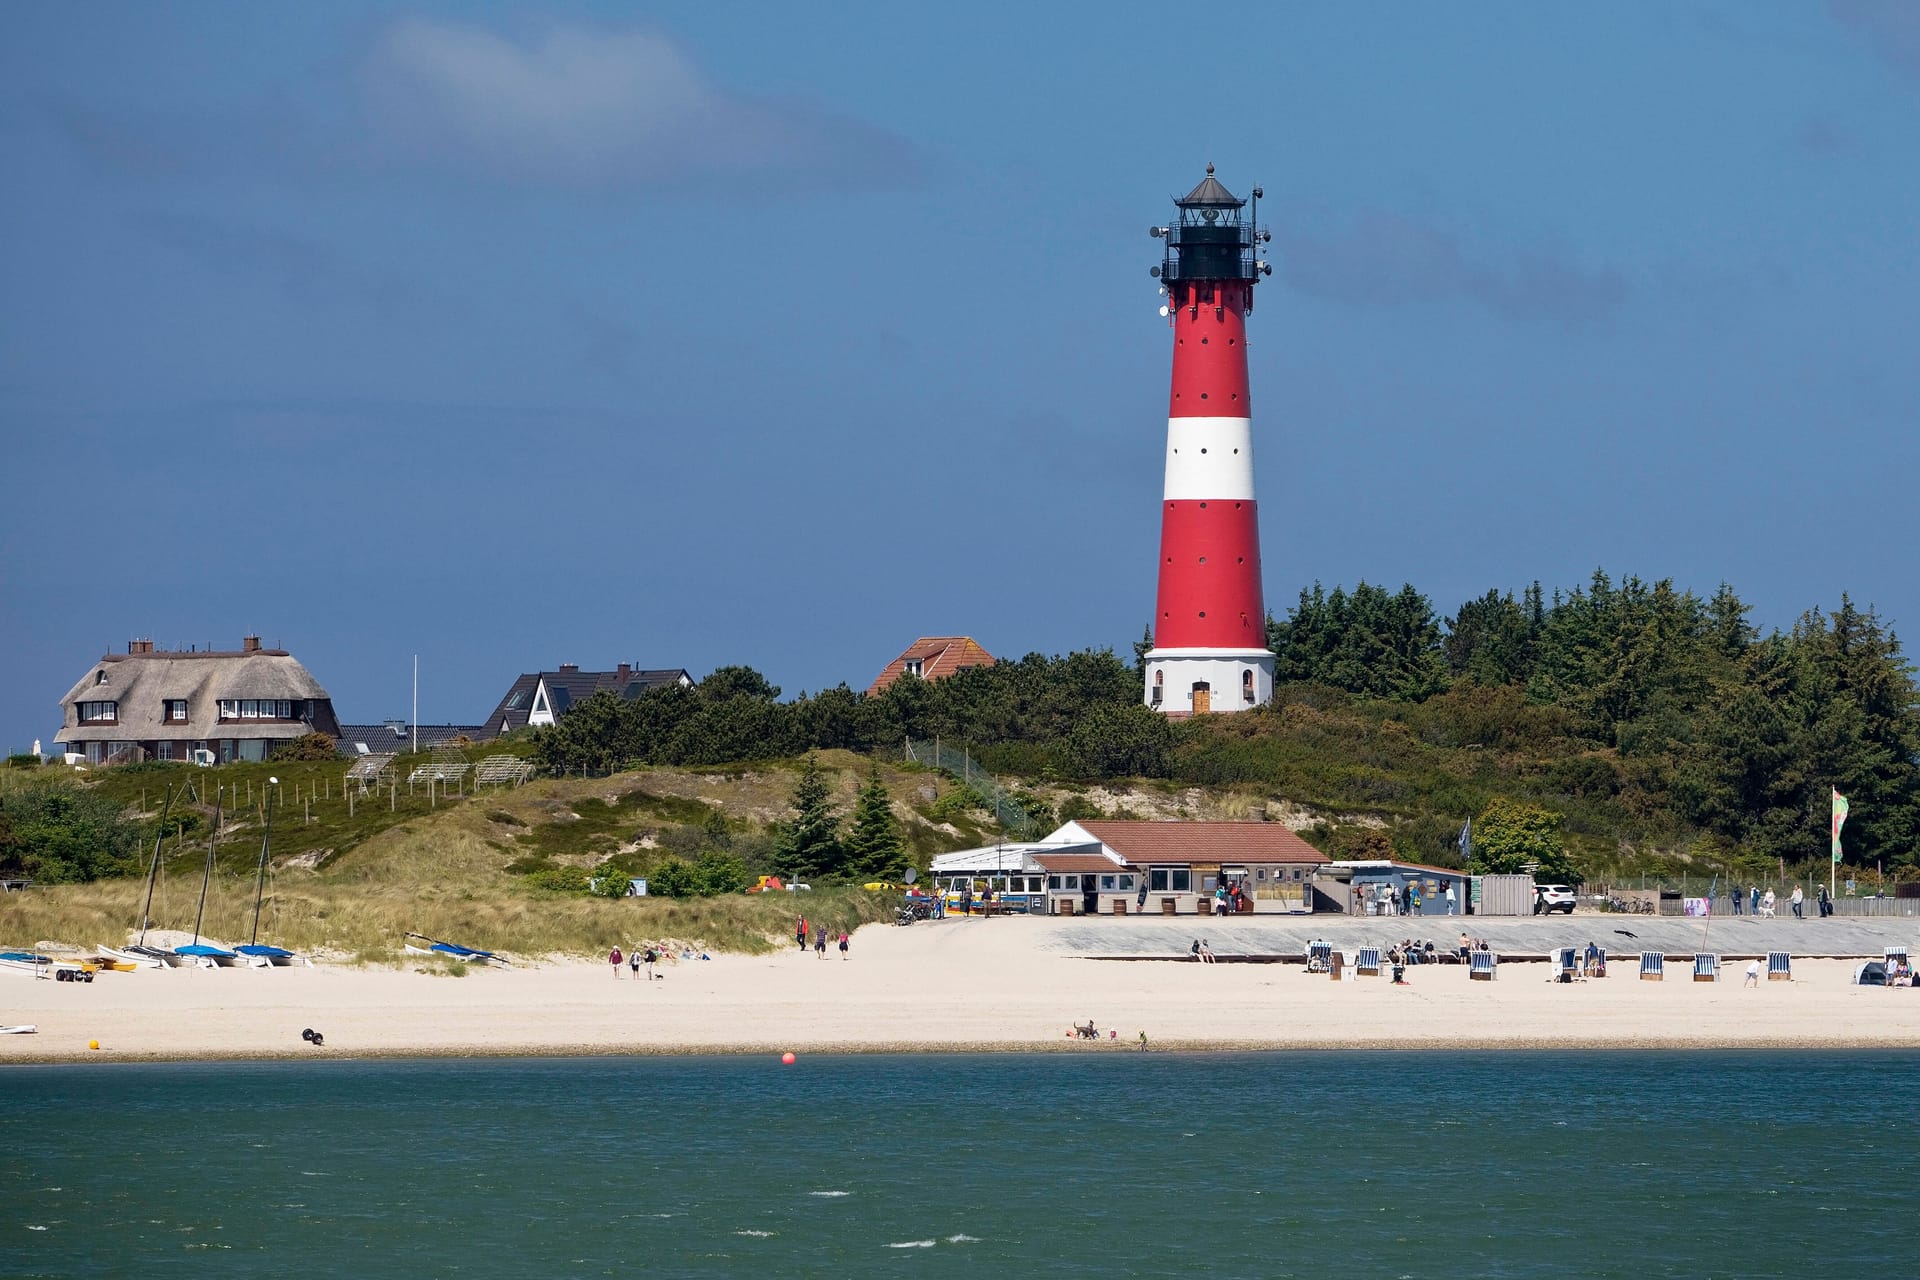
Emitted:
pixel 810 844
pixel 874 849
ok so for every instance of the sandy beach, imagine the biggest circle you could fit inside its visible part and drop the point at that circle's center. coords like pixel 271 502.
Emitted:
pixel 950 986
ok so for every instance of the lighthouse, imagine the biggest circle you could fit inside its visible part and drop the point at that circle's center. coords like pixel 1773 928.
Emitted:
pixel 1209 625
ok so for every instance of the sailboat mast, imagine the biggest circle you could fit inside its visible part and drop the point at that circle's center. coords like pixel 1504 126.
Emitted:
pixel 260 891
pixel 206 877
pixel 153 872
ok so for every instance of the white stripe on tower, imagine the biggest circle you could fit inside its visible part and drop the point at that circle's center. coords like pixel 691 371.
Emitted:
pixel 1209 458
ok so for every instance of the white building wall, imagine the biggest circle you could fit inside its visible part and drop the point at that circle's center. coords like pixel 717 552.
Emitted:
pixel 1175 671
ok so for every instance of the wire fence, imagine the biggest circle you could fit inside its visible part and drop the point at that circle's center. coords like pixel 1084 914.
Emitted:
pixel 1007 810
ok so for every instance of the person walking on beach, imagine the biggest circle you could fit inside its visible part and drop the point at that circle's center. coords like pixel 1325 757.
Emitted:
pixel 1753 974
pixel 800 933
pixel 633 961
pixel 652 958
pixel 843 944
pixel 613 958
pixel 819 943
pixel 1798 901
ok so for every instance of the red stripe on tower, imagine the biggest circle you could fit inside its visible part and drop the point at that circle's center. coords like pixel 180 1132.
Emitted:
pixel 1210 645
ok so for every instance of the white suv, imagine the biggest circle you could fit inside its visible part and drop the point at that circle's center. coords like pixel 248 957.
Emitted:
pixel 1552 897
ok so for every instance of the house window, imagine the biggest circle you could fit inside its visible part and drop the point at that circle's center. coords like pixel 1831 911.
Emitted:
pixel 176 713
pixel 1171 879
pixel 1072 882
pixel 100 677
pixel 1126 884
pixel 1053 882
pixel 256 709
pixel 1246 684
pixel 99 713
pixel 515 698
pixel 916 666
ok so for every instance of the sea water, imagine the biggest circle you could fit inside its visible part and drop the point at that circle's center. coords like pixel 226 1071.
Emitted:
pixel 1105 1162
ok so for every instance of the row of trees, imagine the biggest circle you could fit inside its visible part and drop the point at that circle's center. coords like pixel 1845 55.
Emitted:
pixel 811 846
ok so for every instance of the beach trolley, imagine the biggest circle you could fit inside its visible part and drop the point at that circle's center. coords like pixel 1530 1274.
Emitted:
pixel 1706 967
pixel 1319 956
pixel 1779 967
pixel 1482 965
pixel 1367 962
pixel 1653 966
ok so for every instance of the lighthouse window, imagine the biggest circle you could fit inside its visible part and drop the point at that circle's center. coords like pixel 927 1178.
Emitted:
pixel 1203 451
pixel 1203 341
pixel 1203 396
pixel 1203 559
pixel 1203 613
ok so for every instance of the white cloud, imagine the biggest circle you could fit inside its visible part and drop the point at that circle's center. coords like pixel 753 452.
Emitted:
pixel 594 108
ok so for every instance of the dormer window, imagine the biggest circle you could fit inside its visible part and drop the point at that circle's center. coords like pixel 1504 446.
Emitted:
pixel 916 666
pixel 256 709
pixel 99 713
pixel 176 711
pixel 100 676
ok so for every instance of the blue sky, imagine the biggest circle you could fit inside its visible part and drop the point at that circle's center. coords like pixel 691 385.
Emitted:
pixel 691 335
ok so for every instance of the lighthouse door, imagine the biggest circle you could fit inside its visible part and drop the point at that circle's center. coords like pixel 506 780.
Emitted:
pixel 1202 698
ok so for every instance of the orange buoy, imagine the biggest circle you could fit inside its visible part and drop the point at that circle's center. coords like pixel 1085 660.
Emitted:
pixel 787 1058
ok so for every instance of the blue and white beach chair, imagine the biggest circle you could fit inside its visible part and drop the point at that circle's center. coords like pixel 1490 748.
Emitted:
pixel 1482 965
pixel 1319 957
pixel 1653 966
pixel 1566 963
pixel 1779 967
pixel 1367 962
pixel 1895 956
pixel 1706 967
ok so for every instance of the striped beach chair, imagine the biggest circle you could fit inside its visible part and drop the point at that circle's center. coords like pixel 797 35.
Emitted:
pixel 1653 966
pixel 1895 955
pixel 1598 967
pixel 1779 967
pixel 1482 964
pixel 1367 962
pixel 1706 967
pixel 1319 957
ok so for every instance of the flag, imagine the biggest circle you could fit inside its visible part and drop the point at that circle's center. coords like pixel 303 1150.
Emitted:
pixel 1839 820
pixel 1466 839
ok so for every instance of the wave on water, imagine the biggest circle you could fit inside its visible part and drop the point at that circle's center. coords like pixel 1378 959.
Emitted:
pixel 963 1239
pixel 31 1227
pixel 911 1244
pixel 829 1193
pixel 758 1234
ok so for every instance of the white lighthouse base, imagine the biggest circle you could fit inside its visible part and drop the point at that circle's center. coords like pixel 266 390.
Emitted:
pixel 1189 681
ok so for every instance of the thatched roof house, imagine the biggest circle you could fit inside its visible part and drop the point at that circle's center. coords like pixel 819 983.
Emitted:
pixel 171 704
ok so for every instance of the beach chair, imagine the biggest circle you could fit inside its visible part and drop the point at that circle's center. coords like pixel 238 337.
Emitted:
pixel 1319 957
pixel 1653 966
pixel 1706 967
pixel 1779 967
pixel 1598 967
pixel 1367 962
pixel 1566 964
pixel 1895 956
pixel 1481 965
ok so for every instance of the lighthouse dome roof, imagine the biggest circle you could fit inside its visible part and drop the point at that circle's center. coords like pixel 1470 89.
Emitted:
pixel 1209 192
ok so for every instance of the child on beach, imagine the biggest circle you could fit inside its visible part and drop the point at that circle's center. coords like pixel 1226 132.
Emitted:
pixel 843 944
pixel 820 943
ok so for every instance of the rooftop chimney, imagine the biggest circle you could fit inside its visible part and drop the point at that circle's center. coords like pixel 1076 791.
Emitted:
pixel 623 672
pixel 250 644
pixel 139 646
pixel 569 668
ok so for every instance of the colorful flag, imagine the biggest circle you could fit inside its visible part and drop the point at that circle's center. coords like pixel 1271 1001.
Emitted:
pixel 1839 820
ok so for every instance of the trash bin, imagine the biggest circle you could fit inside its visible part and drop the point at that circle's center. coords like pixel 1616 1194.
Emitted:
pixel 1167 906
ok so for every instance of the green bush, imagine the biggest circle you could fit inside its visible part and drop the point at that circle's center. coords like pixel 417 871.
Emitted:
pixel 560 879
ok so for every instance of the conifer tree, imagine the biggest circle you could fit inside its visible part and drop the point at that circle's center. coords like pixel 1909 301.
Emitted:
pixel 874 849
pixel 810 844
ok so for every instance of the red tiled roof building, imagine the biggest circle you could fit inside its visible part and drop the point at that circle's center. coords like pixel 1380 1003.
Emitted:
pixel 931 658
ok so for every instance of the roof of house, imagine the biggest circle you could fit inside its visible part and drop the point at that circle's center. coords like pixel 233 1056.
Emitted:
pixel 569 685
pixel 1175 842
pixel 143 682
pixel 374 739
pixel 938 656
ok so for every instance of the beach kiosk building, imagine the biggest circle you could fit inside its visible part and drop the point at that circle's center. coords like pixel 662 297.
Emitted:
pixel 1178 865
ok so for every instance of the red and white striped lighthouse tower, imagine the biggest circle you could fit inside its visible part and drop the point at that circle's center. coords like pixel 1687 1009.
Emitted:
pixel 1210 625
